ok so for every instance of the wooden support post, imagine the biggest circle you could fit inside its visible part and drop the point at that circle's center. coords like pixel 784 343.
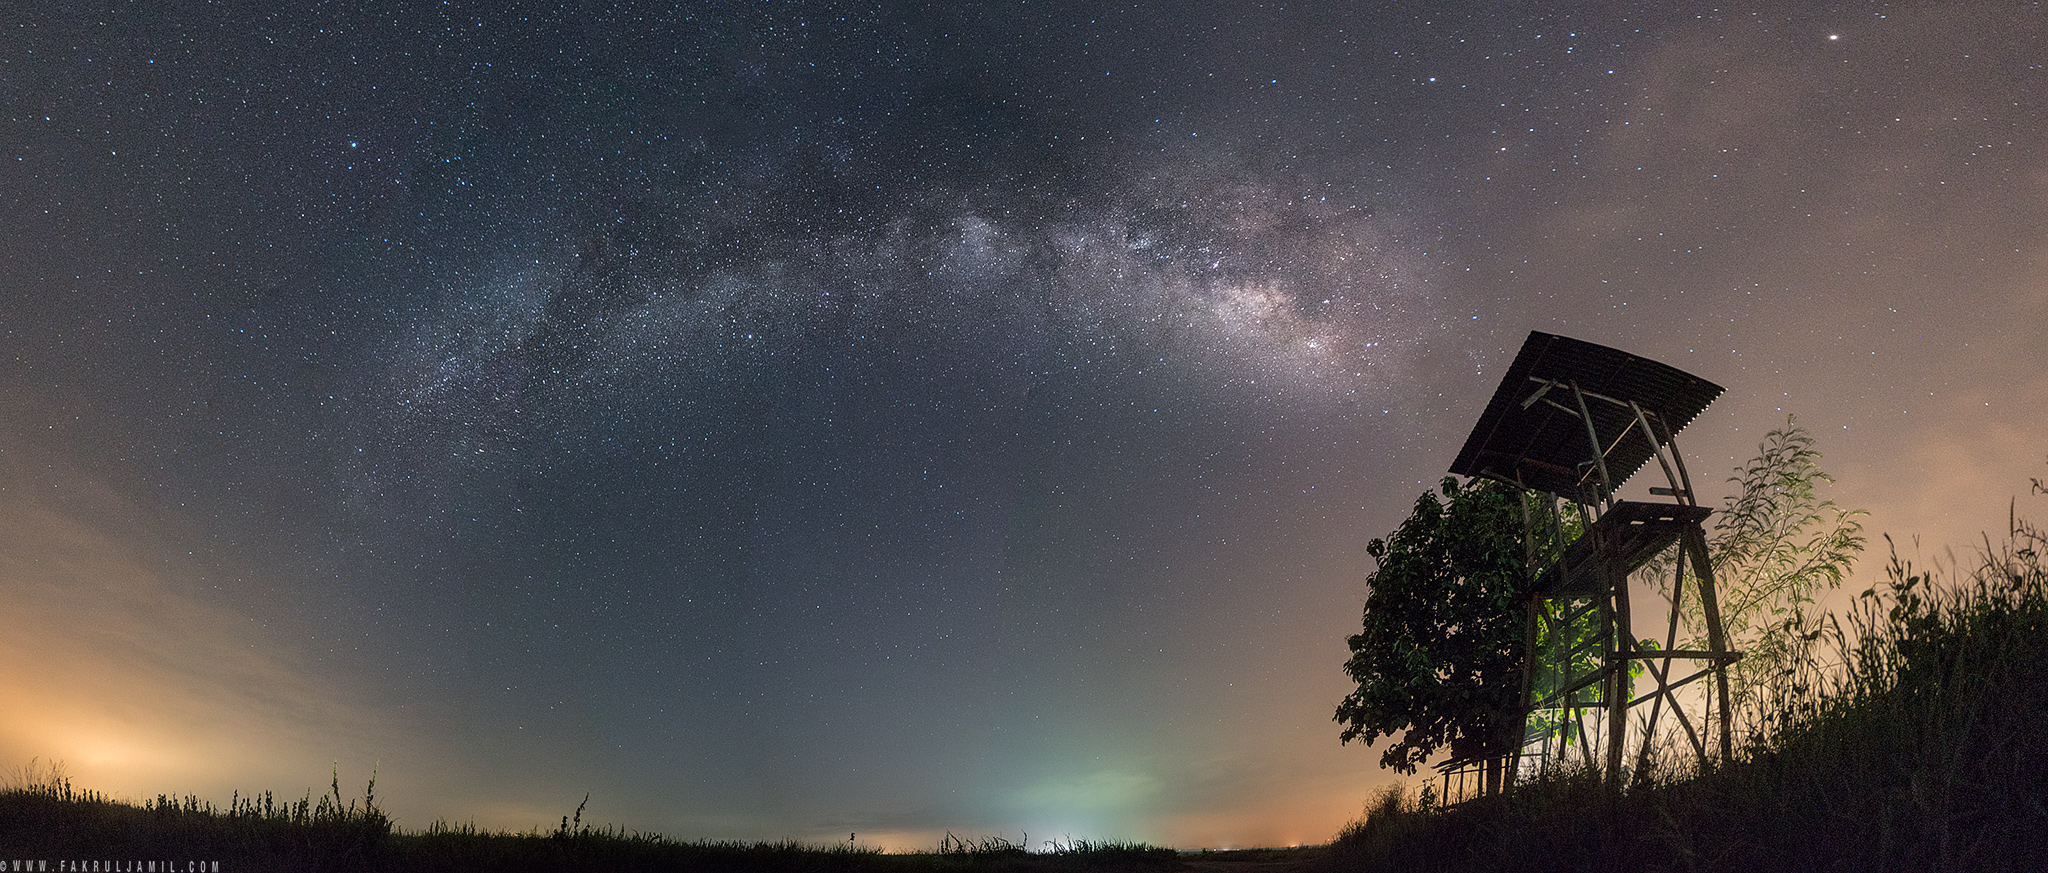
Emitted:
pixel 1678 492
pixel 1663 671
pixel 1696 546
pixel 1599 451
pixel 1620 647
pixel 1529 664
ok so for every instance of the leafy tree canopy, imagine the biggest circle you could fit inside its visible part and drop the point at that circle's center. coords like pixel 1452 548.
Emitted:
pixel 1438 658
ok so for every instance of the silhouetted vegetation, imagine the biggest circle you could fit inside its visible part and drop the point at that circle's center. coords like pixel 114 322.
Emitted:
pixel 1438 659
pixel 43 817
pixel 1776 546
pixel 1439 656
pixel 1919 743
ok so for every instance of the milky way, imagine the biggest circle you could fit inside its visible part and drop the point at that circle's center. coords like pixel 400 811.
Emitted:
pixel 803 419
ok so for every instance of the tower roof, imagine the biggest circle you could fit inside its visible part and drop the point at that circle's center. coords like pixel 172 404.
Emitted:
pixel 1531 431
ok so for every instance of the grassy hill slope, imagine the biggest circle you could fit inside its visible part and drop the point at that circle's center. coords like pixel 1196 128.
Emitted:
pixel 1922 744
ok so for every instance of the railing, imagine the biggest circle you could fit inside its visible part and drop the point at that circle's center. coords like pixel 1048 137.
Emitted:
pixel 1464 780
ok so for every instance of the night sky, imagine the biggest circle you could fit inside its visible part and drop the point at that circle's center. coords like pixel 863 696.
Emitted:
pixel 801 419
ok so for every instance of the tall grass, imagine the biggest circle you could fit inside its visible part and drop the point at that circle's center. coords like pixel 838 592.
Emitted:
pixel 43 817
pixel 1919 743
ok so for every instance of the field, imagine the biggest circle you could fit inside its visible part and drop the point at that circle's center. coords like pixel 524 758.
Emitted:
pixel 48 820
pixel 1919 741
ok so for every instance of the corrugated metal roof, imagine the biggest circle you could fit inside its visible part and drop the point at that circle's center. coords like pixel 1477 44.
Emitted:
pixel 1545 447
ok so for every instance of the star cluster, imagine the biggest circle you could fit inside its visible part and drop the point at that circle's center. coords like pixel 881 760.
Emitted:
pixel 793 419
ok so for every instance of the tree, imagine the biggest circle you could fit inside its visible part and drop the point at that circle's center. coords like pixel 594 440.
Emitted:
pixel 1774 547
pixel 1439 657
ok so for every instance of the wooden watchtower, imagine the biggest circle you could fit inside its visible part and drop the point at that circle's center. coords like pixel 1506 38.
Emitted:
pixel 1574 420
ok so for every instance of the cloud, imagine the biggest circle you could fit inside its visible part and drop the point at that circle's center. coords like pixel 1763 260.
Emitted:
pixel 116 666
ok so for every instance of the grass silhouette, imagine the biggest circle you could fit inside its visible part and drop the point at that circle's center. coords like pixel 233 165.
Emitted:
pixel 43 817
pixel 1920 744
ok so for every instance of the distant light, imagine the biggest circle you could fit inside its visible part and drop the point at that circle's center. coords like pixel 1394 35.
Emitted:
pixel 1834 36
